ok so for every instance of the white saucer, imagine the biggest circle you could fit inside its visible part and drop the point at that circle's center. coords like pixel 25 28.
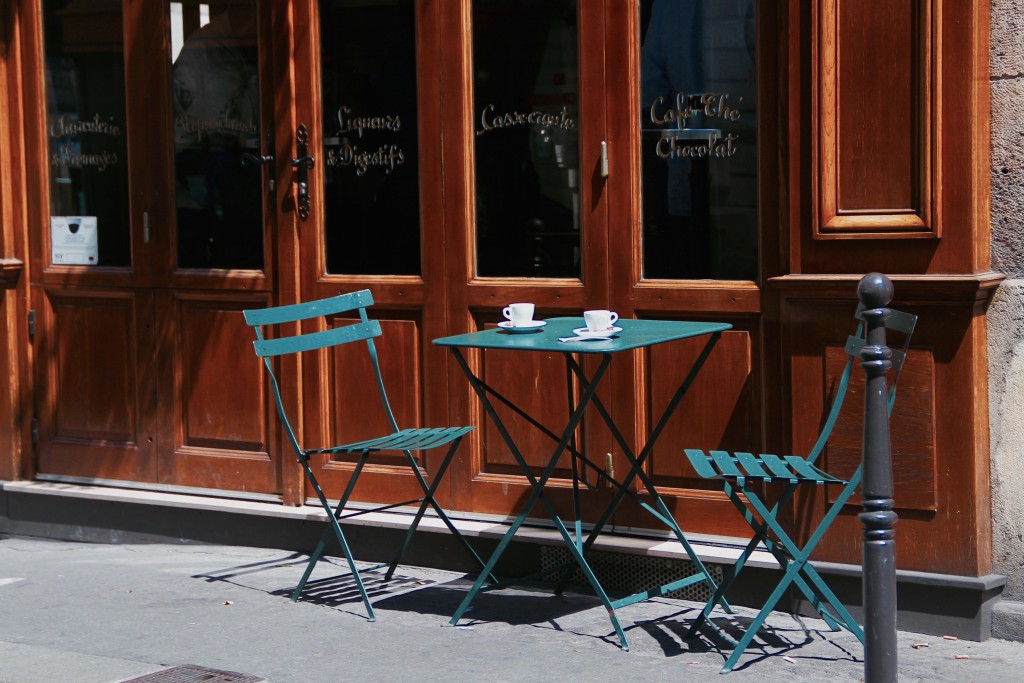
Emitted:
pixel 531 326
pixel 586 332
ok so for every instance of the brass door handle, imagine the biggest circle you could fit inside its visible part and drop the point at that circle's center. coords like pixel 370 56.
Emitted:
pixel 302 163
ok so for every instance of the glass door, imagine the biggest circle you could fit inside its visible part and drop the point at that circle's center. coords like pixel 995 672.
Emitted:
pixel 155 121
pixel 698 206
pixel 370 116
pixel 604 155
pixel 525 145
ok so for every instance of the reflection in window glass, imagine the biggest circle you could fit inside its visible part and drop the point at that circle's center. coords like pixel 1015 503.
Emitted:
pixel 526 92
pixel 215 95
pixel 88 148
pixel 699 148
pixel 371 161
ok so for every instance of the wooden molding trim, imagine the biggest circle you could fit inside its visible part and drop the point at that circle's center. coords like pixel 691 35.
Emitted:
pixel 976 288
pixel 876 147
pixel 10 271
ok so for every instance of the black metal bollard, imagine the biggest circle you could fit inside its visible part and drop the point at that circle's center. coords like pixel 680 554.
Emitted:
pixel 879 554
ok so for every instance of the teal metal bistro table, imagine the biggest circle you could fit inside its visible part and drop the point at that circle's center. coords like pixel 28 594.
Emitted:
pixel 632 335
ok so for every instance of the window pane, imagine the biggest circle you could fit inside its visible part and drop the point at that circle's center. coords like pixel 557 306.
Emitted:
pixel 86 131
pixel 699 146
pixel 526 86
pixel 215 92
pixel 371 161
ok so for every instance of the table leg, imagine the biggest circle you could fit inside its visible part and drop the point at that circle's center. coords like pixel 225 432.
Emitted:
pixel 661 512
pixel 537 495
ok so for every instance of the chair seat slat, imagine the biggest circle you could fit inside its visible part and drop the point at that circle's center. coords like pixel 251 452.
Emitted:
pixel 778 467
pixel 701 463
pixel 726 464
pixel 406 440
pixel 752 464
pixel 807 471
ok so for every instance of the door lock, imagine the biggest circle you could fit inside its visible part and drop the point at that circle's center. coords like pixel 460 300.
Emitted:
pixel 302 163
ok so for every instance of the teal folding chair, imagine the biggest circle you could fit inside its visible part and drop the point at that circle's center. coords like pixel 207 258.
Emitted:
pixel 399 440
pixel 742 476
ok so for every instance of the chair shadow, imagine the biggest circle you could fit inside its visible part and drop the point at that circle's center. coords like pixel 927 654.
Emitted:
pixel 771 641
pixel 231 573
pixel 531 604
pixel 331 591
pixel 528 604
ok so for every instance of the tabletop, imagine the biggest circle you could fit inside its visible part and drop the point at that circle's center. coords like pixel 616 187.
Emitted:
pixel 634 334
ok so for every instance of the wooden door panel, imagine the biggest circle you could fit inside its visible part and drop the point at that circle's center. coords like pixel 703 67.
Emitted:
pixel 136 381
pixel 876 118
pixel 216 426
pixel 936 483
pixel 351 409
pixel 912 440
pixel 96 411
pixel 720 411
pixel 534 382
pixel 356 409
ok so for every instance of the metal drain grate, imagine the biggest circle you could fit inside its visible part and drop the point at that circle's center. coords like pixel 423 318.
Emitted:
pixel 625 573
pixel 190 673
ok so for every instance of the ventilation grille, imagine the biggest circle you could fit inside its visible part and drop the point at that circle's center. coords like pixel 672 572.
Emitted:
pixel 190 673
pixel 628 574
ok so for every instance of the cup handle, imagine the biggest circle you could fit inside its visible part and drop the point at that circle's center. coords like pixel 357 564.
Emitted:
pixel 614 317
pixel 507 312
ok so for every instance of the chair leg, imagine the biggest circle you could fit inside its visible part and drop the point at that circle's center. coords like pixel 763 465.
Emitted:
pixel 802 572
pixel 759 536
pixel 336 528
pixel 798 571
pixel 428 499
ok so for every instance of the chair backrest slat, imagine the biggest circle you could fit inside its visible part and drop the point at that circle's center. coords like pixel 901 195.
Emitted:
pixel 317 340
pixel 363 330
pixel 308 310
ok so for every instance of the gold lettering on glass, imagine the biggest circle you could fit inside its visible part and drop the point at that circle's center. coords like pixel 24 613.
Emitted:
pixel 357 124
pixel 490 120
pixel 221 125
pixel 344 153
pixel 70 155
pixel 679 140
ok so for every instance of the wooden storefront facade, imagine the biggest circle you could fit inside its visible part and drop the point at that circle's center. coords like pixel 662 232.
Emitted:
pixel 472 153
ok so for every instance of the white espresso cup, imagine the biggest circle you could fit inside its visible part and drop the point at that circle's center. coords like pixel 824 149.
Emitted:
pixel 519 314
pixel 600 321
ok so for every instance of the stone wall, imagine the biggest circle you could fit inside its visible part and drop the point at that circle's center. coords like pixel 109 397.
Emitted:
pixel 1006 313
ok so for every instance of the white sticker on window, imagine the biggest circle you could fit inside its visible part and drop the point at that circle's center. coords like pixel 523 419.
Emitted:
pixel 74 240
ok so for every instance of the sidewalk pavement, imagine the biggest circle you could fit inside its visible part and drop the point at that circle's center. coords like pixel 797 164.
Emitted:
pixel 83 613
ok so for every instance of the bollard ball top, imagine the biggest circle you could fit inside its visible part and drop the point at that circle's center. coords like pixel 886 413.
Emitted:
pixel 875 290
